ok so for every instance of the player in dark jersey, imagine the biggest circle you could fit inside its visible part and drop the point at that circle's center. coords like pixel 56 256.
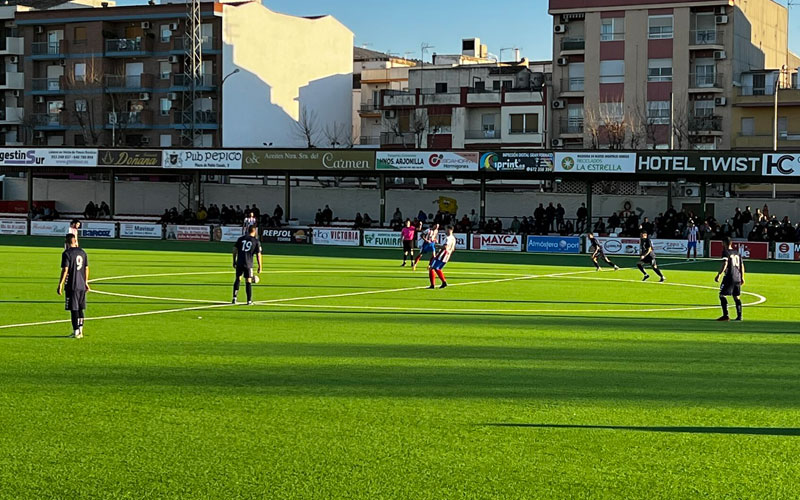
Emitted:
pixel 597 252
pixel 648 256
pixel 733 271
pixel 246 247
pixel 74 283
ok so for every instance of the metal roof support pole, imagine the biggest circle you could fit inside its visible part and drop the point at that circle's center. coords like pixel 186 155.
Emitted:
pixel 112 193
pixel 382 187
pixel 589 226
pixel 287 197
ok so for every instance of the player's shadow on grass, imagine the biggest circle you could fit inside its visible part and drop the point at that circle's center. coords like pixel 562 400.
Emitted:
pixel 757 431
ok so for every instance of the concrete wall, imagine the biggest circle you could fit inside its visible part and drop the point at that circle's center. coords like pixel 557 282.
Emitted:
pixel 286 63
pixel 153 198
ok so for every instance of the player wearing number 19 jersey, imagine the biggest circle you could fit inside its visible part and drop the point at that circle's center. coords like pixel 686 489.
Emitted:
pixel 733 271
pixel 74 283
pixel 246 247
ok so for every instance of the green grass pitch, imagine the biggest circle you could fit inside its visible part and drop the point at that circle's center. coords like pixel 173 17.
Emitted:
pixel 529 377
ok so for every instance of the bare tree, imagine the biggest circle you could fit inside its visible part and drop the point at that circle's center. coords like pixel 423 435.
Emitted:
pixel 307 126
pixel 592 124
pixel 338 135
pixel 680 124
pixel 394 129
pixel 646 125
pixel 27 129
pixel 419 125
pixel 87 110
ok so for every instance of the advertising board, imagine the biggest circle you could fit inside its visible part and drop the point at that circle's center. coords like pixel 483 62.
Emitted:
pixel 137 230
pixel 49 228
pixel 553 244
pixel 337 237
pixel 286 235
pixel 13 226
pixel 595 163
pixel 430 161
pixel 98 230
pixel 748 249
pixel 188 233
pixel 497 242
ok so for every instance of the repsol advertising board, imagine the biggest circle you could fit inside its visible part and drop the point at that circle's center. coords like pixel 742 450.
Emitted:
pixel 13 226
pixel 286 235
pixel 136 230
pixel 787 251
pixel 553 244
pixel 748 249
pixel 337 237
pixel 497 242
pixel 98 230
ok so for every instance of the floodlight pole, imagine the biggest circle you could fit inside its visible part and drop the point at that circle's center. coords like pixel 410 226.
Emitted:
pixel 30 196
pixel 287 197
pixel 112 193
pixel 382 187
pixel 483 198
pixel 589 226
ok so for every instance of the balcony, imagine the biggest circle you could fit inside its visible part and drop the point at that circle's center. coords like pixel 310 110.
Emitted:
pixel 705 125
pixel 520 96
pixel 570 126
pixel 482 135
pixel 572 44
pixel 12 43
pixel 12 80
pixel 11 115
pixel 706 82
pixel 524 135
pixel 429 97
pixel 486 97
pixel 369 140
pixel 49 121
pixel 128 83
pixel 129 47
pixel 48 50
pixel 205 119
pixel 572 85
pixel 407 139
pixel 179 44
pixel 47 86
pixel 703 39
pixel 206 82
pixel 370 108
pixel 764 141
pixel 765 97
pixel 131 119
pixel 398 98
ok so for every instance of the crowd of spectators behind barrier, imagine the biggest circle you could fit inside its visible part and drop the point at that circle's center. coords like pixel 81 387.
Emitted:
pixel 753 225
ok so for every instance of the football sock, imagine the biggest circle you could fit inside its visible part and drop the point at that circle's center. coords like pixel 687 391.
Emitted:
pixel 235 288
pixel 249 288
pixel 75 319
pixel 738 303
pixel 432 277
pixel 596 264
pixel 440 274
pixel 641 268
pixel 724 303
pixel 81 315
pixel 416 261
pixel 658 272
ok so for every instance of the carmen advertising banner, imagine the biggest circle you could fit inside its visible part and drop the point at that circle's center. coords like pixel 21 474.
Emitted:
pixel 13 226
pixel 227 233
pixel 553 244
pixel 385 239
pixel 98 230
pixel 748 249
pixel 675 247
pixel 497 242
pixel 339 237
pixel 783 251
pixel 22 157
pixel 438 161
pixel 595 163
pixel 461 240
pixel 617 246
pixel 49 228
pixel 698 163
pixel 136 230
pixel 130 158
pixel 286 235
pixel 224 159
pixel 188 233
pixel 336 160
pixel 521 161
pixel 781 165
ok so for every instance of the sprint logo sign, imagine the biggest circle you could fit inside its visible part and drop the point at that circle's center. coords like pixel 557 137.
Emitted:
pixel 781 165
pixel 596 163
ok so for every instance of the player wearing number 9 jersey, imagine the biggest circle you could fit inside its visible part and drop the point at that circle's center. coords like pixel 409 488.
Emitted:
pixel 246 247
pixel 732 281
pixel 74 283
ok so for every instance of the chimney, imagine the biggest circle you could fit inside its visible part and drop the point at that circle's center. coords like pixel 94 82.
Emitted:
pixel 516 55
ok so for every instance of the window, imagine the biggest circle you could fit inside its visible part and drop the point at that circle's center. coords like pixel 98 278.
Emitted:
pixel 496 85
pixel 703 109
pixel 164 70
pixel 165 106
pixel 439 124
pixel 748 126
pixel 81 105
pixel 79 34
pixel 575 82
pixel 165 141
pixel 658 112
pixel 480 85
pixel 659 27
pixel 659 70
pixel 527 123
pixel 759 84
pixel 783 127
pixel 574 123
pixel 166 33
pixel 508 84
pixel 612 111
pixel 488 125
pixel 441 88
pixel 612 71
pixel 79 140
pixel 80 72
pixel 612 28
pixel 704 74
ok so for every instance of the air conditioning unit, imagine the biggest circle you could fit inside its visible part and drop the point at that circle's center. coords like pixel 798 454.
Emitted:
pixel 172 96
pixel 721 19
pixel 720 101
pixel 62 62
pixel 39 99
pixel 145 25
pixel 719 55
pixel 14 59
pixel 559 104
pixel 40 29
pixel 174 59
pixel 173 26
pixel 562 61
pixel 389 113
pixel 145 141
pixel 144 96
pixel 557 143
pixel 112 118
pixel 691 191
pixel 17 93
pixel 560 28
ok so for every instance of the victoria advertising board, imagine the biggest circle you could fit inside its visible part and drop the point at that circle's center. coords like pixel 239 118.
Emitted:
pixel 336 237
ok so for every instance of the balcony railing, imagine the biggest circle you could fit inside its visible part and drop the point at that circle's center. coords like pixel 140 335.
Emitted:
pixel 369 107
pixel 133 82
pixel 522 131
pixel 47 48
pixel 129 118
pixel 705 80
pixel 573 43
pixel 482 134
pixel 570 125
pixel 403 139
pixel 369 140
pixel 126 45
pixel 179 43
pixel 758 91
pixel 47 119
pixel 705 124
pixel 46 84
pixel 572 84
pixel 710 36
pixel 181 80
pixel 206 116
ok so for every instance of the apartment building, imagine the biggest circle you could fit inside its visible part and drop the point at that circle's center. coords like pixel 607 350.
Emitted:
pixel 754 113
pixel 636 73
pixel 474 105
pixel 374 72
pixel 116 75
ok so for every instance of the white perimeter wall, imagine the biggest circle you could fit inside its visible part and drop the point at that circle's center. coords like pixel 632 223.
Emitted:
pixel 285 63
pixel 153 197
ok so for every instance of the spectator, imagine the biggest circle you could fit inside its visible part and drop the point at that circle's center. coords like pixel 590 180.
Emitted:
pixel 397 216
pixel 256 211
pixel 104 210
pixel 539 219
pixel 613 222
pixel 473 219
pixel 90 211
pixel 327 215
pixel 277 214
pixel 202 214
pixel 582 214
pixel 515 225
pixel 367 222
pixel 422 217
pixel 358 221
pixel 599 226
pixel 560 213
pixel 550 214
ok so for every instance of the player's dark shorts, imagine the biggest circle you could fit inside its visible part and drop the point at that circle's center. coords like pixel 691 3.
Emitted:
pixel 408 245
pixel 729 288
pixel 247 272
pixel 649 260
pixel 599 255
pixel 74 300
